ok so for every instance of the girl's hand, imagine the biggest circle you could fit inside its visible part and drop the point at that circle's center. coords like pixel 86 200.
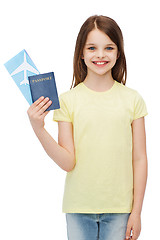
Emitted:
pixel 134 224
pixel 37 113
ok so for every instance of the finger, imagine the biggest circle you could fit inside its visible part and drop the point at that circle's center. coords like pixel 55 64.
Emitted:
pixel 128 232
pixel 35 103
pixel 44 107
pixel 134 235
pixel 41 104
pixel 127 238
pixel 38 101
pixel 44 114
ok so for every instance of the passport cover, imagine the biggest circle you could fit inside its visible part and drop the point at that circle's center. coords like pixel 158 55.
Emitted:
pixel 44 85
pixel 20 67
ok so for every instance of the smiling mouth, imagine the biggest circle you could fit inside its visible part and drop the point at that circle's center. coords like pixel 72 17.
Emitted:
pixel 100 63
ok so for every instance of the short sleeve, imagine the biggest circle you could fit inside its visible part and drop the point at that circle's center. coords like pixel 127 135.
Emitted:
pixel 140 109
pixel 64 112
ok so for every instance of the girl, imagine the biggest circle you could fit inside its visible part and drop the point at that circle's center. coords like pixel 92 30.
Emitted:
pixel 101 138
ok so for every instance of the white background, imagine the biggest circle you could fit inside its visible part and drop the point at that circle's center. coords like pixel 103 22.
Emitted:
pixel 31 184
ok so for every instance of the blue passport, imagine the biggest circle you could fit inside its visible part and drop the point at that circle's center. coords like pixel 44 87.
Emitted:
pixel 44 85
pixel 20 67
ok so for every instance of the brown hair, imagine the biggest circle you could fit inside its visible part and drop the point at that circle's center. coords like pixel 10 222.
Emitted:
pixel 110 27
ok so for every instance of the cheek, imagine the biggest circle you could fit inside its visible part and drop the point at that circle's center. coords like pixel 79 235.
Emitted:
pixel 113 57
pixel 88 54
pixel 88 57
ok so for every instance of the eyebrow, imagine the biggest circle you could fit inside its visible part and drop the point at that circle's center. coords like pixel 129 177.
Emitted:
pixel 110 44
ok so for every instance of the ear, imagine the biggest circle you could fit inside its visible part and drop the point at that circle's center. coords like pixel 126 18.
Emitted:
pixel 82 57
pixel 118 55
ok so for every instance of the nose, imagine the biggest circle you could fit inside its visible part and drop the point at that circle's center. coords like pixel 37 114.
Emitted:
pixel 101 53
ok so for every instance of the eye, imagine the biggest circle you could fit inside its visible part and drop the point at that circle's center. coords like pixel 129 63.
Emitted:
pixel 91 48
pixel 109 48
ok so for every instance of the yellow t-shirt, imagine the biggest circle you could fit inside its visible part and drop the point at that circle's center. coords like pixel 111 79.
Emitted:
pixel 102 180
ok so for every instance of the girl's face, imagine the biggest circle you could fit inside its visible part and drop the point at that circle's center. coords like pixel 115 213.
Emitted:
pixel 99 53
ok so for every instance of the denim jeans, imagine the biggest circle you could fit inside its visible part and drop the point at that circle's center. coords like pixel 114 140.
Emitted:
pixel 104 226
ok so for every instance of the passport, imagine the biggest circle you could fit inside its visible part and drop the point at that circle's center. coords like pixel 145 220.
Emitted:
pixel 44 85
pixel 20 67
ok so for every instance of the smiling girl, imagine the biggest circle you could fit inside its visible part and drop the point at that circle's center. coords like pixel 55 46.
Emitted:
pixel 101 138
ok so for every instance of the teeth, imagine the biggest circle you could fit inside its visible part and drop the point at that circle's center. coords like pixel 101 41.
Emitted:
pixel 100 63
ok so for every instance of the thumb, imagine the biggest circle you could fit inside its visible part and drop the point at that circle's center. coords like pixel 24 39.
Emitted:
pixel 45 113
pixel 128 232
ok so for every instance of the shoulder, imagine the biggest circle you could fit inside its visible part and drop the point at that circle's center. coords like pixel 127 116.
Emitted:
pixel 128 92
pixel 70 94
pixel 68 98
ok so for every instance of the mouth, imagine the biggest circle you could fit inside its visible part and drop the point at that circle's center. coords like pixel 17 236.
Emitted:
pixel 100 63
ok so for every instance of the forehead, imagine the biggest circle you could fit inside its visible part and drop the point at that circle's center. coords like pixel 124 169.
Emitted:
pixel 97 37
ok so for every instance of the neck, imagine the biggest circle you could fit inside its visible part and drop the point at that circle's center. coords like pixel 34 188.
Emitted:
pixel 99 82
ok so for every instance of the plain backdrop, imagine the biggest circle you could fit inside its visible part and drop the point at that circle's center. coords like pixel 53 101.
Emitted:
pixel 31 184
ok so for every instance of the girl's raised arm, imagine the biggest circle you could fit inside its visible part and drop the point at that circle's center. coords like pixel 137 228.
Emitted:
pixel 62 154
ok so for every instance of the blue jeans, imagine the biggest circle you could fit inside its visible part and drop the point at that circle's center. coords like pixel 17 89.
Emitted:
pixel 104 226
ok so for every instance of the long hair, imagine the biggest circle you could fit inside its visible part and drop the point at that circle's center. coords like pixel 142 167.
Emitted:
pixel 111 28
